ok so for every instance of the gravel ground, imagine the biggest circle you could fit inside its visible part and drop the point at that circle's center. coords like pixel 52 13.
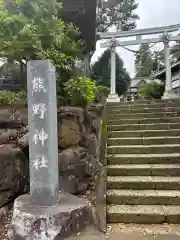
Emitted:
pixel 122 232
pixel 117 232
pixel 132 231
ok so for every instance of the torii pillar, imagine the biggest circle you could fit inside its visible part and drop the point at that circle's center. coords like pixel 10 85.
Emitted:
pixel 113 96
pixel 168 94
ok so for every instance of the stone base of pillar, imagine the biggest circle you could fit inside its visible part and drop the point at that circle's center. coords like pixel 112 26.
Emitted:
pixel 30 221
pixel 113 98
pixel 170 95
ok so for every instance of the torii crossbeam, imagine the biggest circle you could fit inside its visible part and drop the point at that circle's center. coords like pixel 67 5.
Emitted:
pixel 164 36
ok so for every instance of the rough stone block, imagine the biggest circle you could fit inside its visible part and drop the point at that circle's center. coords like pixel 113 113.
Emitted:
pixel 13 173
pixel 32 222
pixel 70 123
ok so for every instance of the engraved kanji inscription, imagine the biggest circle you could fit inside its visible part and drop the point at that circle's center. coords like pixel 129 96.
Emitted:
pixel 40 136
pixel 40 162
pixel 38 85
pixel 39 109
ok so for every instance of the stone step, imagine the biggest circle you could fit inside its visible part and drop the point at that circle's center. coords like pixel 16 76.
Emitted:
pixel 152 126
pixel 146 102
pixel 144 149
pixel 144 133
pixel 143 110
pixel 143 105
pixel 144 170
pixel 143 214
pixel 143 197
pixel 143 141
pixel 116 159
pixel 177 100
pixel 144 120
pixel 143 182
pixel 117 116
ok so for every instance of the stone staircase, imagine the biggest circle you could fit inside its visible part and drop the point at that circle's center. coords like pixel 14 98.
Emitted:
pixel 143 162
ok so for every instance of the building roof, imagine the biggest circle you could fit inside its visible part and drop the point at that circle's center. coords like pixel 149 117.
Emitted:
pixel 136 82
pixel 161 73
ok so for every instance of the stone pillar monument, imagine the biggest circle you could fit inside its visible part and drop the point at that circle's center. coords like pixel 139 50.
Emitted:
pixel 42 124
pixel 45 214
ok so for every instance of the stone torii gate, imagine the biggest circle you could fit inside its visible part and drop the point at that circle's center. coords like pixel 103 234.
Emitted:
pixel 164 36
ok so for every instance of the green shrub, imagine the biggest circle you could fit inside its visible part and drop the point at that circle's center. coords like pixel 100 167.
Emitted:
pixel 79 91
pixel 102 90
pixel 101 93
pixel 13 99
pixel 151 91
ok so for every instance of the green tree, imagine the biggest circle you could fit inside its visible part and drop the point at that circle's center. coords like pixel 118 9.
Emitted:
pixel 35 34
pixel 151 91
pixel 101 72
pixel 118 13
pixel 31 30
pixel 175 52
pixel 159 58
pixel 143 61
pixel 158 61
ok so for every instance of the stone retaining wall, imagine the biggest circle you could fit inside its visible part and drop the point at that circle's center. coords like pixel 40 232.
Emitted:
pixel 78 150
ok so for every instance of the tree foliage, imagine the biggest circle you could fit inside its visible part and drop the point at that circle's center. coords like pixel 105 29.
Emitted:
pixel 175 52
pixel 151 91
pixel 159 58
pixel 158 61
pixel 101 72
pixel 118 13
pixel 31 30
pixel 144 61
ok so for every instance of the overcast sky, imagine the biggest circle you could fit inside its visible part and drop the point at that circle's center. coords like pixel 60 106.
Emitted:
pixel 152 13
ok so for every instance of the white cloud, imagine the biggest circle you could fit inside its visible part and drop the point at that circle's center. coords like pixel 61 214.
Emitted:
pixel 152 13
